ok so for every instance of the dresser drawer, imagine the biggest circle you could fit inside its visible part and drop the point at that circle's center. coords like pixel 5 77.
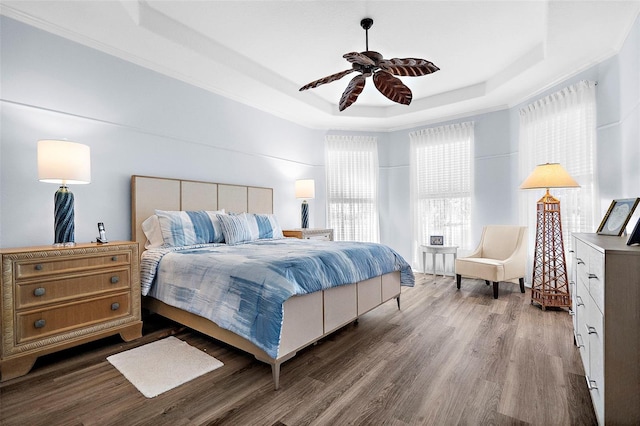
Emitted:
pixel 32 294
pixel 32 325
pixel 596 277
pixel 594 330
pixel 62 265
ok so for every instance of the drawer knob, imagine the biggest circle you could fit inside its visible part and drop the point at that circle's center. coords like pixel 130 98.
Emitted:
pixel 39 291
pixel 590 329
pixel 579 300
pixel 114 258
pixel 114 279
pixel 580 261
pixel 579 341
pixel 591 384
pixel 592 276
pixel 39 267
pixel 39 324
pixel 115 306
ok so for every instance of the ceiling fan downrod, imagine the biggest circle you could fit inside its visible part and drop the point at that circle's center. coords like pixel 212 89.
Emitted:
pixel 366 23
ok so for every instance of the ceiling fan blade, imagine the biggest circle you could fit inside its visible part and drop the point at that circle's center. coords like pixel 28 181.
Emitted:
pixel 411 67
pixel 392 87
pixel 352 92
pixel 358 58
pixel 328 79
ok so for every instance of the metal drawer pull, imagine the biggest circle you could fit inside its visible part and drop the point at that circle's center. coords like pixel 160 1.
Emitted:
pixel 591 384
pixel 39 324
pixel 580 261
pixel 591 276
pixel 571 312
pixel 115 306
pixel 39 291
pixel 579 300
pixel 579 340
pixel 114 279
pixel 114 258
pixel 38 267
pixel 590 329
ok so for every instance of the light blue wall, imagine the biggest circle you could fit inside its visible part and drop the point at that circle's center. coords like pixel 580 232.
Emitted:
pixel 136 121
pixel 140 122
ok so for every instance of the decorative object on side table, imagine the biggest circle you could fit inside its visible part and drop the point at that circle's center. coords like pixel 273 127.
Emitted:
pixel 436 240
pixel 617 217
pixel 550 286
pixel 305 190
pixel 64 162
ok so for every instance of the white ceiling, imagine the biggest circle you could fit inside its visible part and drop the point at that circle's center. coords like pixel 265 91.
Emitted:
pixel 491 54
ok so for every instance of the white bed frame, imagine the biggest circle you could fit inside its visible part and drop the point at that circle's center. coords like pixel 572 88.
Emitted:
pixel 307 318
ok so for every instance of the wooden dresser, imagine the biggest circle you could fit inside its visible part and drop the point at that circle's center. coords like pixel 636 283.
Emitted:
pixel 606 307
pixel 55 298
pixel 309 233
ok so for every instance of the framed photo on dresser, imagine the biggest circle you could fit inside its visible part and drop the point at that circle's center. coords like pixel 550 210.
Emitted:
pixel 617 217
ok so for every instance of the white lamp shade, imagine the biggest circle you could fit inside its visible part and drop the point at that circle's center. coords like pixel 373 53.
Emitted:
pixel 63 162
pixel 549 175
pixel 305 189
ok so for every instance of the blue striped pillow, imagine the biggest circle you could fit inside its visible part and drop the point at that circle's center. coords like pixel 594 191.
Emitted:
pixel 236 229
pixel 185 228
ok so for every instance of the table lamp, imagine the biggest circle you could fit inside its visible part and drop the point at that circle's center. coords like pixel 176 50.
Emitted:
pixel 549 285
pixel 305 190
pixel 63 162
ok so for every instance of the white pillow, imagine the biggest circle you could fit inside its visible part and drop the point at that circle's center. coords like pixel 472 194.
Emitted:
pixel 151 229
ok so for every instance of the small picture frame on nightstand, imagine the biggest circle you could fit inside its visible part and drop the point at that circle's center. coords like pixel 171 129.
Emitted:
pixel 436 240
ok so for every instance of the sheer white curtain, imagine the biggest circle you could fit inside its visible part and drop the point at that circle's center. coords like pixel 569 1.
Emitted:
pixel 561 128
pixel 441 184
pixel 352 187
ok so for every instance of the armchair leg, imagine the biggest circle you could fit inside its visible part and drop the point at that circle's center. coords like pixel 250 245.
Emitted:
pixel 458 279
pixel 487 282
pixel 495 289
pixel 521 284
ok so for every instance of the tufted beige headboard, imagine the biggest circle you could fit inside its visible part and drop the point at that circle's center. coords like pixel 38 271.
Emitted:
pixel 151 193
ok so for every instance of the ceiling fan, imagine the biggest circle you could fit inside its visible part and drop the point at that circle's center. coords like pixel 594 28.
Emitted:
pixel 383 70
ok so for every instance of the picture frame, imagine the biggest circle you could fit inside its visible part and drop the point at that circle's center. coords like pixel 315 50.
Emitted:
pixel 617 217
pixel 436 240
pixel 635 235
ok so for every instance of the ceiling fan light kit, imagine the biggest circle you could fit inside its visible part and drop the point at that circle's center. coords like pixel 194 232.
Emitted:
pixel 370 63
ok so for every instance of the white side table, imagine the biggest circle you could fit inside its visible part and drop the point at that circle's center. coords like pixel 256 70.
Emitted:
pixel 443 250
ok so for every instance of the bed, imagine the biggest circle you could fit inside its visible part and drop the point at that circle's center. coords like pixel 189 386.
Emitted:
pixel 178 284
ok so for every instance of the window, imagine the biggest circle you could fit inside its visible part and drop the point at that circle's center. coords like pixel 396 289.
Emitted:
pixel 352 188
pixel 561 128
pixel 441 185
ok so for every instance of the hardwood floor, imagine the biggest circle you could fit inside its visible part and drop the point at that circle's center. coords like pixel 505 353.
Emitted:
pixel 447 357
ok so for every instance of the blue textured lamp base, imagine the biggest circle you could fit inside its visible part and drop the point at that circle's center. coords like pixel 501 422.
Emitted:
pixel 305 214
pixel 63 210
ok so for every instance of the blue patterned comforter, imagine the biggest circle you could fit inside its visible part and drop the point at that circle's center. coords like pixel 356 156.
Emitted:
pixel 242 288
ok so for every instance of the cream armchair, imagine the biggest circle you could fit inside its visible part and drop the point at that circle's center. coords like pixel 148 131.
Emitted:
pixel 500 256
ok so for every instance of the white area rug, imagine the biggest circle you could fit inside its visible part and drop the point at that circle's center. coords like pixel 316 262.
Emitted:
pixel 163 365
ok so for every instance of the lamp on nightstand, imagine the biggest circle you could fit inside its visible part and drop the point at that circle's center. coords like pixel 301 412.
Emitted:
pixel 63 162
pixel 305 190
pixel 550 286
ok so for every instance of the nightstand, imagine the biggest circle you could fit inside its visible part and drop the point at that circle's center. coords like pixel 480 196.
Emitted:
pixel 309 233
pixel 55 298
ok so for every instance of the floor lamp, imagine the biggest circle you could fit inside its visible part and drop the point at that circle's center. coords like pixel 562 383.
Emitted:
pixel 550 286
